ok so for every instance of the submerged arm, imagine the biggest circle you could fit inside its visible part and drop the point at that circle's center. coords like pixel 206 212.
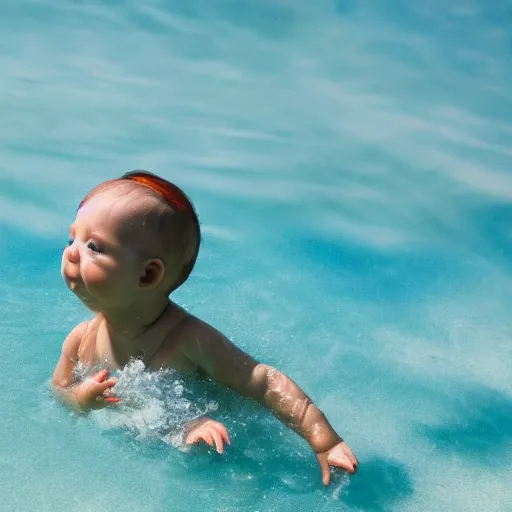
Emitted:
pixel 286 400
pixel 231 366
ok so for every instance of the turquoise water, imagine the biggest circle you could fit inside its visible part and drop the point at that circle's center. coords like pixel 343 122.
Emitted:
pixel 350 162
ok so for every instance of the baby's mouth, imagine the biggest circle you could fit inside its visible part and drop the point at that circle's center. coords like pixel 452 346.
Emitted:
pixel 77 287
pixel 72 277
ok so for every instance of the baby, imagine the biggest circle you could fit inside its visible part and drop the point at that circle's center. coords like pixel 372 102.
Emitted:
pixel 134 241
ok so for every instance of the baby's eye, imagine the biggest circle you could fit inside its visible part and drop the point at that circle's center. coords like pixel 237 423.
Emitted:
pixel 93 247
pixel 70 241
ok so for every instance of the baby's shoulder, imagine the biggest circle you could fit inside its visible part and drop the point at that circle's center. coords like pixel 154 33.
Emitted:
pixel 186 337
pixel 74 338
pixel 198 330
pixel 81 337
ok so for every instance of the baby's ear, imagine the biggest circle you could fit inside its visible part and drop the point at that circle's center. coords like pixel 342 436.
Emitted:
pixel 152 273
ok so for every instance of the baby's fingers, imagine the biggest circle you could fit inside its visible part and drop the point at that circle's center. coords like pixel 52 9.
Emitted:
pixel 207 437
pixel 100 376
pixel 196 437
pixel 219 445
pixel 104 391
pixel 341 456
pixel 221 429
pixel 354 460
pixel 344 463
pixel 351 456
pixel 324 468
pixel 106 384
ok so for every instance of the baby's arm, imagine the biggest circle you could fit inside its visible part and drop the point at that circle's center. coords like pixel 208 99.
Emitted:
pixel 228 364
pixel 93 392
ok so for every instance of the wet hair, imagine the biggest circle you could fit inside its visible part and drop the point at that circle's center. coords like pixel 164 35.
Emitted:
pixel 176 223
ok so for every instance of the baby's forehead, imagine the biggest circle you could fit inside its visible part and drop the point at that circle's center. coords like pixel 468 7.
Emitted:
pixel 125 210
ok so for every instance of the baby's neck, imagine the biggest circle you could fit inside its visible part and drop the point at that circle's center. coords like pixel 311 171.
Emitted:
pixel 134 323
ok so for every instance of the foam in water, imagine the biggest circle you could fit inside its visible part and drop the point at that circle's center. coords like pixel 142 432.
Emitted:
pixel 153 404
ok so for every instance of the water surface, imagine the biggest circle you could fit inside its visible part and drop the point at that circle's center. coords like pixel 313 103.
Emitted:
pixel 350 162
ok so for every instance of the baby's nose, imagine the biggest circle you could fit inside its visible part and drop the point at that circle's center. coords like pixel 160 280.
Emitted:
pixel 73 253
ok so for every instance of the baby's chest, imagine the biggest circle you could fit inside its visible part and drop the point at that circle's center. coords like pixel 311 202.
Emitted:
pixel 96 350
pixel 170 355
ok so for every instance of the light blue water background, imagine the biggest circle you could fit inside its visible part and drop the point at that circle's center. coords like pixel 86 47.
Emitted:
pixel 350 162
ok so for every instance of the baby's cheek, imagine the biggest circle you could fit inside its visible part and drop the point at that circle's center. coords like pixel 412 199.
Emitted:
pixel 95 276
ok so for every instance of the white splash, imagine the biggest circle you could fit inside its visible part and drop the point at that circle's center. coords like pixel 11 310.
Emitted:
pixel 153 405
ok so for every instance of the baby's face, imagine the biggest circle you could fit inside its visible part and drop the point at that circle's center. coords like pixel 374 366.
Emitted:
pixel 104 261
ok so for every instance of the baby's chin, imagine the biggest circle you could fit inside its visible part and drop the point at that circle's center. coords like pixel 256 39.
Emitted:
pixel 81 293
pixel 89 304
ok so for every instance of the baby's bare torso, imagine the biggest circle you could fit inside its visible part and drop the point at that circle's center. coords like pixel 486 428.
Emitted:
pixel 160 347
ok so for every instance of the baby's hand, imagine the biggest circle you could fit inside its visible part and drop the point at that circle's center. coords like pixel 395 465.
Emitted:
pixel 209 431
pixel 95 392
pixel 341 456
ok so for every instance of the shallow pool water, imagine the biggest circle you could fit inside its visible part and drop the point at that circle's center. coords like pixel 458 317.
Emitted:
pixel 350 163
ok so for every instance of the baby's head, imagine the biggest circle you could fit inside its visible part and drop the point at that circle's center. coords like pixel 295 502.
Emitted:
pixel 132 235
